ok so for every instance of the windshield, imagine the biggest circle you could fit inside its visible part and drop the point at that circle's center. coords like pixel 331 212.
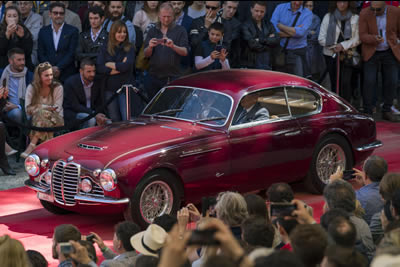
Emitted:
pixel 191 104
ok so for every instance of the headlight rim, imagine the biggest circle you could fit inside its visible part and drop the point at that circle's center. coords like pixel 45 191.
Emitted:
pixel 36 159
pixel 110 172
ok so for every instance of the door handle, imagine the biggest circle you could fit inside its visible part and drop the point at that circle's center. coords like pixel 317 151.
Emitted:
pixel 293 133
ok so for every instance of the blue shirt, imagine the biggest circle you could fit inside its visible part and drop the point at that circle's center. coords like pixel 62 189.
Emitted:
pixel 381 23
pixel 370 200
pixel 283 14
pixel 13 84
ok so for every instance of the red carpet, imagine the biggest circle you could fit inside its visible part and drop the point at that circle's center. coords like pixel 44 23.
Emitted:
pixel 22 217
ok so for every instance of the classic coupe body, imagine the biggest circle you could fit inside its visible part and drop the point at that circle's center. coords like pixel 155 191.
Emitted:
pixel 192 141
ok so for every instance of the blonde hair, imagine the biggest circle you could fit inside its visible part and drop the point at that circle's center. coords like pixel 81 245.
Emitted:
pixel 112 42
pixel 12 253
pixel 37 83
pixel 231 208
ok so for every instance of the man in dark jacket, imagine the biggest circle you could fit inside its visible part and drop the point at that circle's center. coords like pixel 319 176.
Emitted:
pixel 90 41
pixel 259 36
pixel 229 9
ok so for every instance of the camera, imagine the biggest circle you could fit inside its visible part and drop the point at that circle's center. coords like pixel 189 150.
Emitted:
pixel 66 248
pixel 203 238
pixel 206 204
pixel 282 209
pixel 90 238
pixel 348 174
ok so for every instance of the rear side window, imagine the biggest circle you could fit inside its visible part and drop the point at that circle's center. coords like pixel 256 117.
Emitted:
pixel 302 101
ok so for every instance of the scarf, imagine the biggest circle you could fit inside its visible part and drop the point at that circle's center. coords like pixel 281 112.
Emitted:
pixel 335 19
pixel 7 73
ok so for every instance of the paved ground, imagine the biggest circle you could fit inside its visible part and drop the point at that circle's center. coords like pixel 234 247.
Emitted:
pixel 7 182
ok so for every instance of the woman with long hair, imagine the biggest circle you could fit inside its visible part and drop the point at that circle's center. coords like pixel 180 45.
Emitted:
pixel 12 252
pixel 44 104
pixel 13 33
pixel 115 62
pixel 338 35
pixel 146 16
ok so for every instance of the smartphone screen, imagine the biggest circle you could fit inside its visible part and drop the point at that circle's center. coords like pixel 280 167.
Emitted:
pixel 203 238
pixel 282 209
pixel 218 48
pixel 348 174
pixel 4 83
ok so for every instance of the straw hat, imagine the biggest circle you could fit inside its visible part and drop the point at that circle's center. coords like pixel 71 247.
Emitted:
pixel 150 241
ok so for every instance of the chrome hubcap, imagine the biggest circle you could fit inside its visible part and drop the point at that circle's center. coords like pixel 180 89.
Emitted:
pixel 329 159
pixel 156 199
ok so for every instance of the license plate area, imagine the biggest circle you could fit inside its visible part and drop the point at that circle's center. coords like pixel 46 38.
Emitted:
pixel 45 197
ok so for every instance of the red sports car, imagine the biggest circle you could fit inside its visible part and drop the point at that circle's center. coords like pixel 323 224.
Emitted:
pixel 202 134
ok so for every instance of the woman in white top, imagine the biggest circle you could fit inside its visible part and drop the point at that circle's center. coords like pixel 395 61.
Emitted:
pixel 44 104
pixel 338 35
pixel 146 16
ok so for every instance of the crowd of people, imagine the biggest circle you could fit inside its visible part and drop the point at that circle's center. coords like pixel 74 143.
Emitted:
pixel 61 62
pixel 358 228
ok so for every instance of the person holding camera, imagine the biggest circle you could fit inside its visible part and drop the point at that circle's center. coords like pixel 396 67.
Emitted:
pixel 210 54
pixel 44 104
pixel 13 33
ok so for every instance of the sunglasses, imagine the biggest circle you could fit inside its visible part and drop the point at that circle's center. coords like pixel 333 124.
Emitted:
pixel 44 64
pixel 55 13
pixel 212 7
pixel 379 9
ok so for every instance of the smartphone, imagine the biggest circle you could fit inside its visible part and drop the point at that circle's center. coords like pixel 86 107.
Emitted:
pixel 349 174
pixel 207 203
pixel 203 238
pixel 381 32
pixel 4 83
pixel 282 209
pixel 66 248
pixel 160 41
pixel 218 48
pixel 90 238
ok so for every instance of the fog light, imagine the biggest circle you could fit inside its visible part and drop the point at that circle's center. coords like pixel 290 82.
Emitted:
pixel 86 185
pixel 45 163
pixel 47 177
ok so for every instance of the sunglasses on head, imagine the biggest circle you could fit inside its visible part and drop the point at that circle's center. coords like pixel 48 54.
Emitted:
pixel 212 7
pixel 44 64
pixel 379 9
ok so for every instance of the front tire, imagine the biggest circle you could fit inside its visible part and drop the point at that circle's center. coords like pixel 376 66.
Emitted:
pixel 158 193
pixel 54 209
pixel 330 153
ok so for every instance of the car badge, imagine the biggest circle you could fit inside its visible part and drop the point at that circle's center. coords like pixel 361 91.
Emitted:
pixel 70 158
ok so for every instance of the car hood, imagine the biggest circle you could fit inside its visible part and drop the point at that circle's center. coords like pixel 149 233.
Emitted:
pixel 128 137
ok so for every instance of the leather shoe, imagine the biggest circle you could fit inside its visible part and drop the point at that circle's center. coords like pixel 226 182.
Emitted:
pixel 8 171
pixel 389 116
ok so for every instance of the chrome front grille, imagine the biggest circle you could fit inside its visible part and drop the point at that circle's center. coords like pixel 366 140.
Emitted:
pixel 65 182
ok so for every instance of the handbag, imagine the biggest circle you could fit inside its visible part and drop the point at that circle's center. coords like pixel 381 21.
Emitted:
pixel 142 62
pixel 280 55
pixel 350 57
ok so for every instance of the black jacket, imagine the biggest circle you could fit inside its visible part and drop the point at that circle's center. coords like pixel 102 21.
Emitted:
pixel 75 98
pixel 88 48
pixel 256 41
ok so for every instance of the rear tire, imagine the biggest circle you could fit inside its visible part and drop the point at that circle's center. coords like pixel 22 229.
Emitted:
pixel 158 193
pixel 332 151
pixel 54 209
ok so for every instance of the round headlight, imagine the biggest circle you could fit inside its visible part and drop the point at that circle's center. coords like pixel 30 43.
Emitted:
pixel 86 185
pixel 108 179
pixel 32 165
pixel 47 177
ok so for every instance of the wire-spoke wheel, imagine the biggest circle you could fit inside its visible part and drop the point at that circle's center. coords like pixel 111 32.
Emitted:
pixel 330 153
pixel 156 199
pixel 159 192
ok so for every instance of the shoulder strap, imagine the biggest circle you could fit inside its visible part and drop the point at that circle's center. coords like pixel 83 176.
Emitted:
pixel 293 24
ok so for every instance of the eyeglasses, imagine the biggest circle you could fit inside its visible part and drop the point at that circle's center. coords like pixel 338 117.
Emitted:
pixel 44 64
pixel 379 9
pixel 212 7
pixel 55 13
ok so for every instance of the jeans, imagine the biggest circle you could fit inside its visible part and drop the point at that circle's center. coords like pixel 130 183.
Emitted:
pixel 389 77
pixel 86 124
pixel 16 115
pixel 263 60
pixel 346 72
pixel 117 108
pixel 296 62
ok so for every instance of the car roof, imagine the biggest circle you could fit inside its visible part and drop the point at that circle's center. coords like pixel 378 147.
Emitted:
pixel 238 81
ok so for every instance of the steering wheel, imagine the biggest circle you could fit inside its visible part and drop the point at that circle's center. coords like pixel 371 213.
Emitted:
pixel 213 109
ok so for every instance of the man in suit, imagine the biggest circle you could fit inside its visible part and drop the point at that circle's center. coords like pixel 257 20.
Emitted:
pixel 82 95
pixel 126 254
pixel 250 110
pixel 380 36
pixel 58 42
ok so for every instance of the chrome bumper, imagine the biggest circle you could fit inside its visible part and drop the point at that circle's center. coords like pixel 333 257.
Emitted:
pixel 369 146
pixel 106 200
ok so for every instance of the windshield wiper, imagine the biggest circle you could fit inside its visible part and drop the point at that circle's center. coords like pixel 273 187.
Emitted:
pixel 210 119
pixel 168 111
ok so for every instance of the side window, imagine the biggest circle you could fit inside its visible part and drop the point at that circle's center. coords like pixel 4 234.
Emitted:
pixel 302 101
pixel 261 105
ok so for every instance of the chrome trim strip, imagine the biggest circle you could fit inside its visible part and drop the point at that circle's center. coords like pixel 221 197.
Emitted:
pixel 370 146
pixel 35 186
pixel 197 152
pixel 102 200
pixel 171 128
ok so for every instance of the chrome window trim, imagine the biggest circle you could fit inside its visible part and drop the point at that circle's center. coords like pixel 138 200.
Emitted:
pixel 195 88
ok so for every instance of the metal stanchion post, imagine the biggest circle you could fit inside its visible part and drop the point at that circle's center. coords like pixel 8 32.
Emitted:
pixel 128 101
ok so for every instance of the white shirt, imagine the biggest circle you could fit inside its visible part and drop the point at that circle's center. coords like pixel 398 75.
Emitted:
pixel 56 35
pixel 94 36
